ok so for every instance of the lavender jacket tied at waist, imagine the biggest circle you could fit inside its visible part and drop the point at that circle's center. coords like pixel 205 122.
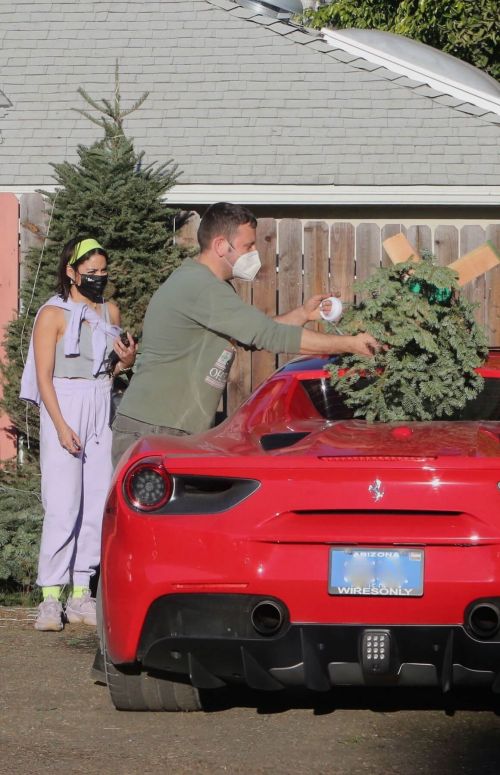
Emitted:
pixel 79 313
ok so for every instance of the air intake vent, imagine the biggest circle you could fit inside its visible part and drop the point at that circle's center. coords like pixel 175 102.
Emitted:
pixel 280 440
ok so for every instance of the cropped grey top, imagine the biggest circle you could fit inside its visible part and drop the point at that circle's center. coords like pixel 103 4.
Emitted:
pixel 81 365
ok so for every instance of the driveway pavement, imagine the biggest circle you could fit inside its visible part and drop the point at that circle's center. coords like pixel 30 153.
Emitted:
pixel 55 719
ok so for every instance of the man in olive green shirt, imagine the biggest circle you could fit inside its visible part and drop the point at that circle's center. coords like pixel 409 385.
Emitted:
pixel 191 327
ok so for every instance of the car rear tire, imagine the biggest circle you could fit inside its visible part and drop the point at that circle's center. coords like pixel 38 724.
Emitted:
pixel 134 689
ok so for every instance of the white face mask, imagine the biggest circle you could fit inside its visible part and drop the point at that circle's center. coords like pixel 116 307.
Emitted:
pixel 246 266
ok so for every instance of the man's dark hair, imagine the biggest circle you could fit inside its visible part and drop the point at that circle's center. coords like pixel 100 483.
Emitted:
pixel 223 219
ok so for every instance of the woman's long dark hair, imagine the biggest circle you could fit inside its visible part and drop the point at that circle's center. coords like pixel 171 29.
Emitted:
pixel 63 282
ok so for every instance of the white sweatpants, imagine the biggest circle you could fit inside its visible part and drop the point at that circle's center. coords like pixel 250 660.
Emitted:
pixel 74 488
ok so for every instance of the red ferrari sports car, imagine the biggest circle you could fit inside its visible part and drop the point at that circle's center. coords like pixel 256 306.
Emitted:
pixel 295 546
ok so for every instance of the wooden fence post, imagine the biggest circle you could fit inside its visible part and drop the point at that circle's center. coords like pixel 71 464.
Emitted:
pixel 33 221
pixel 264 294
pixel 492 300
pixel 342 260
pixel 368 250
pixel 290 282
pixel 316 262
pixel 471 237
pixel 446 244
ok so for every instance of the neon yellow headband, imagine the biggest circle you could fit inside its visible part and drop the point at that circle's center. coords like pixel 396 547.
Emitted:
pixel 83 247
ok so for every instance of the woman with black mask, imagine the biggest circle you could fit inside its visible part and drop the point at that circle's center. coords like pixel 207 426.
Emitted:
pixel 67 375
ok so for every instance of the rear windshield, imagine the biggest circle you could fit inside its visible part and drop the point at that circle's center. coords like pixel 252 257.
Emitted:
pixel 330 405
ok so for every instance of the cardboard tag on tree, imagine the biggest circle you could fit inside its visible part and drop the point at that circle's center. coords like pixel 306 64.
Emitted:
pixel 472 265
pixel 475 263
pixel 399 249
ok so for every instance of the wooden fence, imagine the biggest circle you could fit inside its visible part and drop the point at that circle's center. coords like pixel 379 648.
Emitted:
pixel 301 258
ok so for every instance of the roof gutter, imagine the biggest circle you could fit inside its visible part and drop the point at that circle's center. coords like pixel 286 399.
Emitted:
pixel 316 195
pixel 335 195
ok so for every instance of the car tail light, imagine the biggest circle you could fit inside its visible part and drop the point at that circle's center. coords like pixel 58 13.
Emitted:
pixel 147 485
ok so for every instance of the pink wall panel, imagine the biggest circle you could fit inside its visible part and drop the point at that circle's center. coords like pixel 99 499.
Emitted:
pixel 9 286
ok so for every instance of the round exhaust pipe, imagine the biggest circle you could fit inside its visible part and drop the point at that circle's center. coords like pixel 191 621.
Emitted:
pixel 484 620
pixel 267 616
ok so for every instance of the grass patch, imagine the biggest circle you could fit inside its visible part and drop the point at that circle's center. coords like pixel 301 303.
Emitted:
pixel 12 595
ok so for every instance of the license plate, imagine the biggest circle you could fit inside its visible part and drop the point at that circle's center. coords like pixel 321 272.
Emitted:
pixel 376 572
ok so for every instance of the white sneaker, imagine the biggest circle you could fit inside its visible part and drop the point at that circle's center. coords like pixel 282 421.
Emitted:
pixel 81 610
pixel 49 616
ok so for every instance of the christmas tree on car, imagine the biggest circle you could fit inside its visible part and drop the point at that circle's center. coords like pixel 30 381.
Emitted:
pixel 432 344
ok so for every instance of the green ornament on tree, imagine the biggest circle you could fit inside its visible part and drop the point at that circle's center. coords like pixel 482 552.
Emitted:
pixel 434 294
pixel 432 345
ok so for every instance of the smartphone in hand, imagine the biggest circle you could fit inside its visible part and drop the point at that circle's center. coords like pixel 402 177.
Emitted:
pixel 113 357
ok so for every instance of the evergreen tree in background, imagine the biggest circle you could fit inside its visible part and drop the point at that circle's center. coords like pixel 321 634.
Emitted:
pixel 112 195
pixel 433 344
pixel 20 528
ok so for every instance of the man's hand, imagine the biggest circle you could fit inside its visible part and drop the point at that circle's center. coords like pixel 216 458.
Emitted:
pixel 312 306
pixel 364 344
pixel 308 311
pixel 336 344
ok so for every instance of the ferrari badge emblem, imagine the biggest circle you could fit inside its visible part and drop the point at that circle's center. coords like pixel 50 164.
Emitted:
pixel 376 490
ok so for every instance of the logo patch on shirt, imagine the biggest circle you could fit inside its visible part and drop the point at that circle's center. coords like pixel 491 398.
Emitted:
pixel 218 375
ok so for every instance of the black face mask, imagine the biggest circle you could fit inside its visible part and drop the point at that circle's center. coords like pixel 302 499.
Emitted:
pixel 93 286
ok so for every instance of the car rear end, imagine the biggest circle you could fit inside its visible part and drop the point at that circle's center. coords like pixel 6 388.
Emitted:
pixel 356 555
